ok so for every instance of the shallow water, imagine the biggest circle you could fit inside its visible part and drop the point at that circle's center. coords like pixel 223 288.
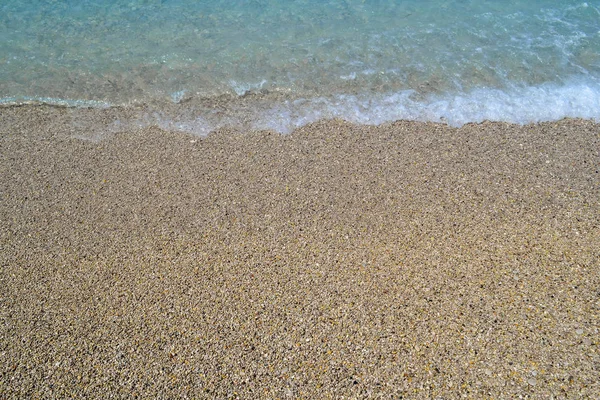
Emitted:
pixel 198 65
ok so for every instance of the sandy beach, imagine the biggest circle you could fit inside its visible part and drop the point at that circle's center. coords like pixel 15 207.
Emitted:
pixel 407 260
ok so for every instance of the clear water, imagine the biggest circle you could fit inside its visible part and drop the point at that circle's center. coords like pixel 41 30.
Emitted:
pixel 278 64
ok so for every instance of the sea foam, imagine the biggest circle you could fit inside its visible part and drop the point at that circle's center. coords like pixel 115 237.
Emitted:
pixel 519 105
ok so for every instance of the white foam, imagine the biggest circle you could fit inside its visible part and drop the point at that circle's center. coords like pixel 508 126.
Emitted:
pixel 241 88
pixel 516 105
pixel 178 97
pixel 54 101
pixel 549 102
pixel 520 105
pixel 198 125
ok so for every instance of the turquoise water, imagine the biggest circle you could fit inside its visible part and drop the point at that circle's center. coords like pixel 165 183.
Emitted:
pixel 279 64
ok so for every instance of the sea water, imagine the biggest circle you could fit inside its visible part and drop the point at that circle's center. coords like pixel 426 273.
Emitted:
pixel 197 65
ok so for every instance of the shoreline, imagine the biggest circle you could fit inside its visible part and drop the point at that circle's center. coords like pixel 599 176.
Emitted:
pixel 285 112
pixel 406 259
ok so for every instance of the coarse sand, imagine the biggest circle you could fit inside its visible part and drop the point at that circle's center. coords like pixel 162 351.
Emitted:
pixel 407 260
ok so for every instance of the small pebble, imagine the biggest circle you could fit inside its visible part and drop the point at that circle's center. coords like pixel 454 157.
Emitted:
pixel 210 308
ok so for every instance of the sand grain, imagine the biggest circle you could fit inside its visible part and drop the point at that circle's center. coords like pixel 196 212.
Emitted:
pixel 409 259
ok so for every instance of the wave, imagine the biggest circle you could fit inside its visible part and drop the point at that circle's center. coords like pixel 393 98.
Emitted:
pixel 520 105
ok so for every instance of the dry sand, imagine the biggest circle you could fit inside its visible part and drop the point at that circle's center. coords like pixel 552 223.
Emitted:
pixel 408 260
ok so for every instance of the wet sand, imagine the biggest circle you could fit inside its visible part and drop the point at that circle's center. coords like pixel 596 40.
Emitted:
pixel 409 260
